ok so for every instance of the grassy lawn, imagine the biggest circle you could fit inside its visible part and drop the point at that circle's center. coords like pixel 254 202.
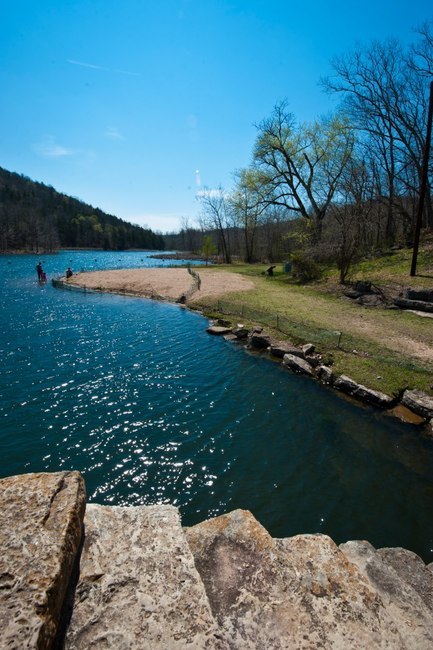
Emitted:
pixel 385 349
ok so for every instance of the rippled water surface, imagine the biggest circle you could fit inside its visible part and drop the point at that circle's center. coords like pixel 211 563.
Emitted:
pixel 151 409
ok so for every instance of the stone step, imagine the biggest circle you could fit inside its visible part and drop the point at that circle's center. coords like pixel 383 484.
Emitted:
pixel 138 585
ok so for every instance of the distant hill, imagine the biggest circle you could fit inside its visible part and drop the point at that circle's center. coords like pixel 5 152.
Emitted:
pixel 34 217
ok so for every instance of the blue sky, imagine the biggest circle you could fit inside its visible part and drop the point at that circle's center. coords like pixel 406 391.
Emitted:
pixel 133 106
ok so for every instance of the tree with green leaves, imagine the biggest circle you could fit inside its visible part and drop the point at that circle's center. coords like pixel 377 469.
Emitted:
pixel 208 248
pixel 300 166
pixel 247 208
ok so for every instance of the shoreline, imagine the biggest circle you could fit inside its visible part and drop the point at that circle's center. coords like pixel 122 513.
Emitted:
pixel 175 285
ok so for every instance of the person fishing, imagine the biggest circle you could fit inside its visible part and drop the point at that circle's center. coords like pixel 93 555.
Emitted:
pixel 68 273
pixel 39 271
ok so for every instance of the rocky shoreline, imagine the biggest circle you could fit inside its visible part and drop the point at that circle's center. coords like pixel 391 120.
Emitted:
pixel 411 406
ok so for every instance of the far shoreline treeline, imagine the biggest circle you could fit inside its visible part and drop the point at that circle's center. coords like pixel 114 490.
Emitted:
pixel 35 217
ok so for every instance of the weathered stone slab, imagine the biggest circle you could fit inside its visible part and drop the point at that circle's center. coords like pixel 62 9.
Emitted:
pixel 41 518
pixel 405 586
pixel 297 364
pixel 362 393
pixel 300 592
pixel 280 348
pixel 138 586
pixel 218 330
pixel 308 349
pixel 418 402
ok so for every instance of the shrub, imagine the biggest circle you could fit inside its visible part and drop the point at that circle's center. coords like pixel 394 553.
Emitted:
pixel 305 267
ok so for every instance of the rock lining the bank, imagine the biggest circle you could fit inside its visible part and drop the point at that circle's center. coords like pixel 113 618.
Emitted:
pixel 305 360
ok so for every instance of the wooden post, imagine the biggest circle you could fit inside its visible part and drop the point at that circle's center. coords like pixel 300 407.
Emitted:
pixel 423 184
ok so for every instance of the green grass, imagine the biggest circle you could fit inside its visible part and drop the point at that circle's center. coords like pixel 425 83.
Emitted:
pixel 377 347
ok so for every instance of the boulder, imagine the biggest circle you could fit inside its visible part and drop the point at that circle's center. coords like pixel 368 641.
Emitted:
pixel 222 322
pixel 297 364
pixel 362 393
pixel 259 340
pixel 41 522
pixel 418 402
pixel 241 332
pixel 138 585
pixel 280 348
pixel 218 330
pixel 351 293
pixel 308 349
pixel 370 300
pixel 325 374
pixel 363 286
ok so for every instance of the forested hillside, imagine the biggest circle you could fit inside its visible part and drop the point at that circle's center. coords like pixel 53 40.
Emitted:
pixel 34 217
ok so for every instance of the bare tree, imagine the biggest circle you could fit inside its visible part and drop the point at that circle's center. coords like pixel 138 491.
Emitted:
pixel 300 165
pixel 215 216
pixel 386 100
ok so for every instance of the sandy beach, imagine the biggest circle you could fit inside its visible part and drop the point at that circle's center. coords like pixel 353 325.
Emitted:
pixel 163 283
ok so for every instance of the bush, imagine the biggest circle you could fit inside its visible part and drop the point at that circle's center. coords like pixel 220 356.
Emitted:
pixel 305 267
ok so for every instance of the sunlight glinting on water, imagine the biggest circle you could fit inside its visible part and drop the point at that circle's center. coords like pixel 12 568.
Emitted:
pixel 136 395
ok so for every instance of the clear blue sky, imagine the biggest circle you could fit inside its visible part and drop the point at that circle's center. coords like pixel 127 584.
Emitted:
pixel 135 105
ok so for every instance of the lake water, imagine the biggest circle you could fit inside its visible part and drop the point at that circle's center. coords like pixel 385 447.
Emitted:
pixel 151 409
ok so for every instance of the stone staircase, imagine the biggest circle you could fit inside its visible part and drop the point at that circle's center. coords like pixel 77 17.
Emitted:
pixel 144 582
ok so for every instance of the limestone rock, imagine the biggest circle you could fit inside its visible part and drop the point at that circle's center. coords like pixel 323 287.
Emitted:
pixel 41 518
pixel 300 592
pixel 362 393
pixel 280 348
pixel 418 402
pixel 308 349
pixel 405 585
pixel 218 330
pixel 297 364
pixel 138 586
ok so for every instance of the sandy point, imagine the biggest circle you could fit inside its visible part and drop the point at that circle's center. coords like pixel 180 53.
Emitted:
pixel 163 283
